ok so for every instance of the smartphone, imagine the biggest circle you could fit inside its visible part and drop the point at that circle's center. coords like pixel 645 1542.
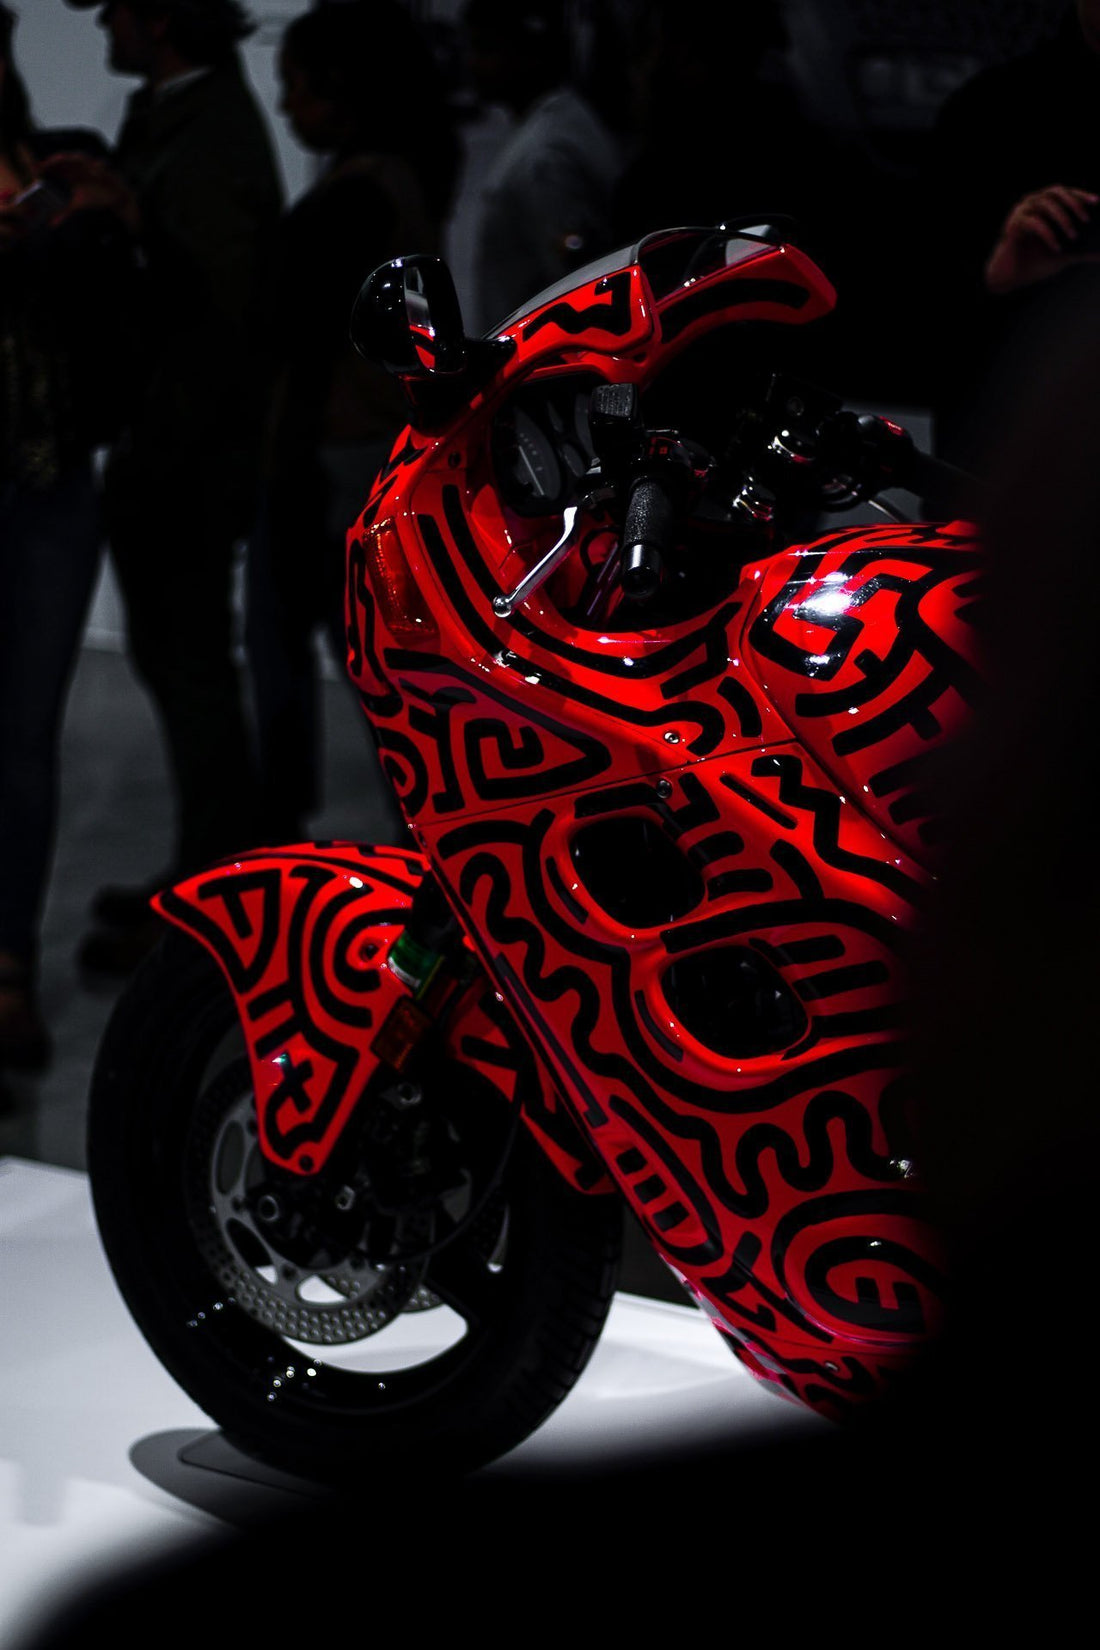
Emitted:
pixel 40 203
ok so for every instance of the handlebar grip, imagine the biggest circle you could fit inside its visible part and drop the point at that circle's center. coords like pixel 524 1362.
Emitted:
pixel 899 462
pixel 647 535
pixel 921 473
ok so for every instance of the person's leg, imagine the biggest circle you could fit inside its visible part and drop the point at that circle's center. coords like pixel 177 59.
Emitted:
pixel 174 562
pixel 349 472
pixel 279 626
pixel 49 555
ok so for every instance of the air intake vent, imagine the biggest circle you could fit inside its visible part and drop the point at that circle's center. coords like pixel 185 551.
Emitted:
pixel 734 1002
pixel 635 872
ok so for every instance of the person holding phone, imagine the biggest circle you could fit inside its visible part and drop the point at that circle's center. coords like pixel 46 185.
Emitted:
pixel 67 278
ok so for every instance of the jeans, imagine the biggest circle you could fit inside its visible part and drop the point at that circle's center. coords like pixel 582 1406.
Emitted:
pixel 296 575
pixel 172 543
pixel 49 558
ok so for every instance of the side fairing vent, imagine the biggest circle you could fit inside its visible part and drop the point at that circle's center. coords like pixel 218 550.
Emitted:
pixel 734 1002
pixel 635 872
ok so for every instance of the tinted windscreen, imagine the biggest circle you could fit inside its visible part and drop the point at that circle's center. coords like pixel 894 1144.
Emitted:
pixel 671 258
pixel 608 265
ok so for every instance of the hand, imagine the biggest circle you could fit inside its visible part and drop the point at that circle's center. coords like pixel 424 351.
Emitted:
pixel 92 185
pixel 31 210
pixel 1037 238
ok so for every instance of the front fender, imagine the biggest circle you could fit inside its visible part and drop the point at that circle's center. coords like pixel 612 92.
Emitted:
pixel 302 935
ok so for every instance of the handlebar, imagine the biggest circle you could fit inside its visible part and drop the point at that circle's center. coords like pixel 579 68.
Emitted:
pixel 923 473
pixel 647 536
pixel 890 458
pixel 812 454
pixel 654 471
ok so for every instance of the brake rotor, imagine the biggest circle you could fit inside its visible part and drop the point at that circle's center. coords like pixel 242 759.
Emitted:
pixel 343 1299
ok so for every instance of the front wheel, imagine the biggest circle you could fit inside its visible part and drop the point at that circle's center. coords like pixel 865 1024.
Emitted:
pixel 415 1308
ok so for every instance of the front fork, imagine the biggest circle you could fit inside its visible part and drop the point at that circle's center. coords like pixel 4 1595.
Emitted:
pixel 341 960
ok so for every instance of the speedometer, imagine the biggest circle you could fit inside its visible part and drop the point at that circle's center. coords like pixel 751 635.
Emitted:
pixel 536 466
pixel 540 444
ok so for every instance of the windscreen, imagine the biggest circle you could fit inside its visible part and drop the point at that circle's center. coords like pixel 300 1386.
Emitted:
pixel 669 259
pixel 674 258
pixel 610 264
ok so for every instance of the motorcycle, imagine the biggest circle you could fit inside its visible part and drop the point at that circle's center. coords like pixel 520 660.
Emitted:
pixel 361 1130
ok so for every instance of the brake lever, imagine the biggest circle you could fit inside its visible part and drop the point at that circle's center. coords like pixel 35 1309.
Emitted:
pixel 505 603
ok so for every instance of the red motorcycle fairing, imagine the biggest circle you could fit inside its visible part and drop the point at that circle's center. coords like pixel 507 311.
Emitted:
pixel 302 935
pixel 771 1172
pixel 860 641
pixel 738 1059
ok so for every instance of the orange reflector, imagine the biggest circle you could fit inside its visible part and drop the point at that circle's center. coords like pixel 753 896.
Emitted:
pixel 401 606
pixel 404 1026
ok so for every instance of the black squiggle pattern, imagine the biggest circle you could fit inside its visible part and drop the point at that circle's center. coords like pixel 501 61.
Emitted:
pixel 295 934
pixel 873 637
pixel 614 317
pixel 510 733
pixel 673 1109
pixel 695 305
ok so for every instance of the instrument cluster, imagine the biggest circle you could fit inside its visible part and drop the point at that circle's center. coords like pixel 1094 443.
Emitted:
pixel 541 444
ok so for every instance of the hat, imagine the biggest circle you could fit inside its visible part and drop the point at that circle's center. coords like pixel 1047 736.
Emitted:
pixel 216 21
pixel 201 8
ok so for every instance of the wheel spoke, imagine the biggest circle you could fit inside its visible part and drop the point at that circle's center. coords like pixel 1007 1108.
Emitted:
pixel 460 1276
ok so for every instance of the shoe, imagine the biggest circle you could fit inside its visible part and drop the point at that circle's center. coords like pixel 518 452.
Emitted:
pixel 118 906
pixel 25 1043
pixel 117 951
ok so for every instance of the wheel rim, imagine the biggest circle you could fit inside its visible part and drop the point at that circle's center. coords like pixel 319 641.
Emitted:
pixel 336 1304
pixel 345 1323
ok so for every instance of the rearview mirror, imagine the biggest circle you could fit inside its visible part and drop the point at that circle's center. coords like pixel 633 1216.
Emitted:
pixel 407 318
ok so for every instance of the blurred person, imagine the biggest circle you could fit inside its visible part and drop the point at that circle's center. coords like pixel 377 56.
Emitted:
pixel 68 286
pixel 1011 193
pixel 180 483
pixel 718 134
pixel 546 202
pixel 721 134
pixel 360 92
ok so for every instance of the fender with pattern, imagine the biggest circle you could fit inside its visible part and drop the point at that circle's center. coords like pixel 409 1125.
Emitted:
pixel 302 936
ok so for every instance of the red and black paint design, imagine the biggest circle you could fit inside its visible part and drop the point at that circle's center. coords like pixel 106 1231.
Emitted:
pixel 689 861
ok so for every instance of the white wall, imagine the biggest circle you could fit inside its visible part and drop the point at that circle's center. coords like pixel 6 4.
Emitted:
pixel 62 56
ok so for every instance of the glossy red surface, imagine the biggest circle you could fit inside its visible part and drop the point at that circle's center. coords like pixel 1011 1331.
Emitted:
pixel 776 742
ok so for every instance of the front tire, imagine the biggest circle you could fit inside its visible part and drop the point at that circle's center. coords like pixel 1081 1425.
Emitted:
pixel 286 1351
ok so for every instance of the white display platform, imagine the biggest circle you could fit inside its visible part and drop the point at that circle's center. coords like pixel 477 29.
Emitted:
pixel 104 1460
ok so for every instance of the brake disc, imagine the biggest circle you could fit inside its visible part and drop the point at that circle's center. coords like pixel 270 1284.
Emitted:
pixel 339 1301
